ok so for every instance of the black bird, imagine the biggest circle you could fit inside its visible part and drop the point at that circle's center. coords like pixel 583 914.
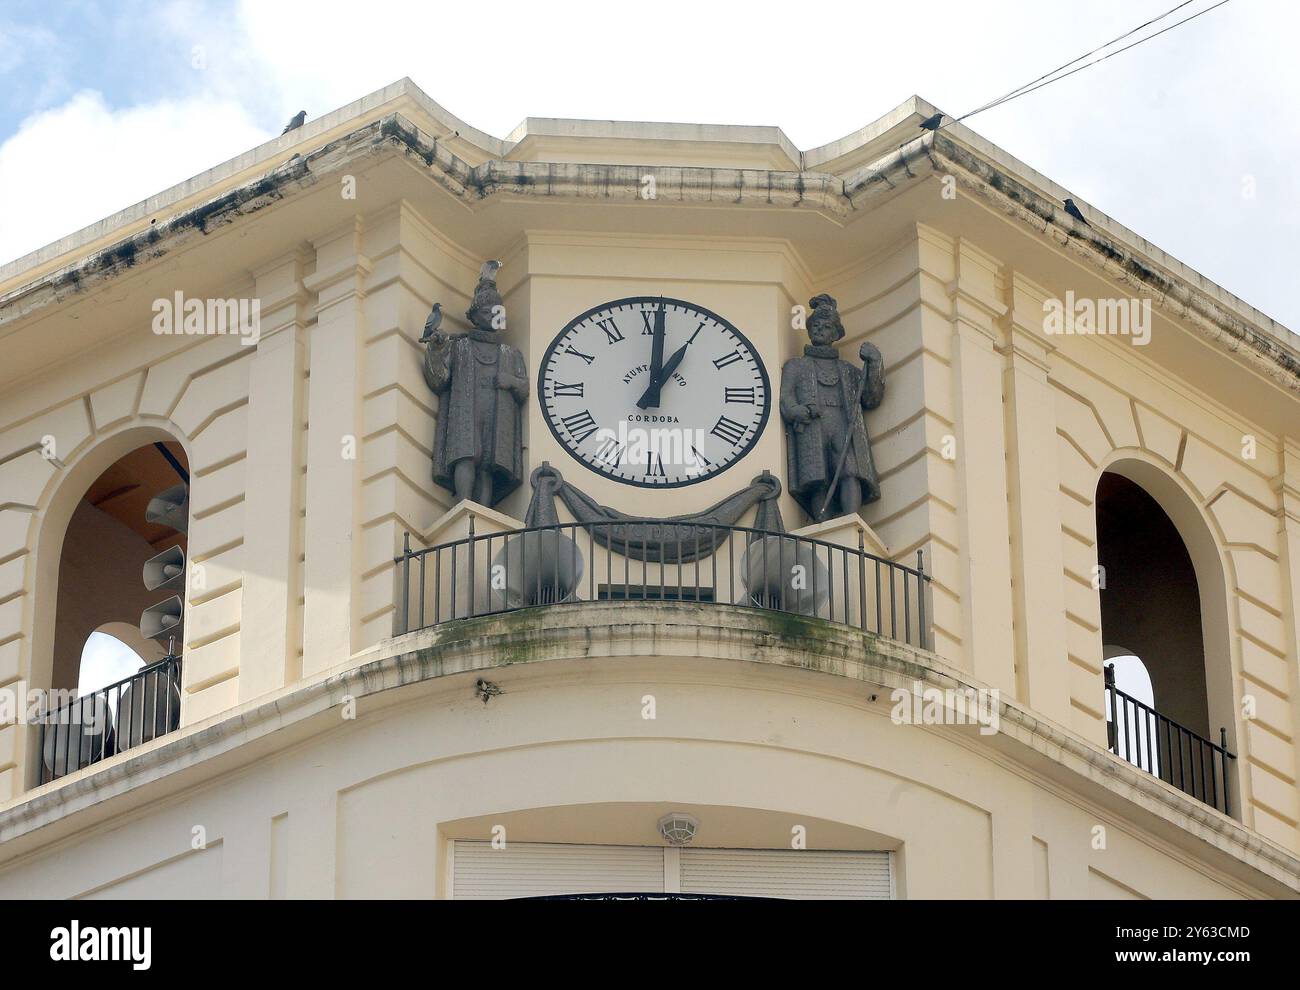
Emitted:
pixel 1073 210
pixel 298 120
pixel 932 123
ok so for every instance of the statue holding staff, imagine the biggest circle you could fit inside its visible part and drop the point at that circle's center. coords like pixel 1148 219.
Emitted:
pixel 482 385
pixel 830 468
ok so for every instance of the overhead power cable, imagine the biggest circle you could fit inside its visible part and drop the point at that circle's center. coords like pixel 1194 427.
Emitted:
pixel 1006 96
pixel 1048 78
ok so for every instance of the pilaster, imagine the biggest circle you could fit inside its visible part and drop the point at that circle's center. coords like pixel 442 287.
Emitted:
pixel 1287 486
pixel 981 458
pixel 270 629
pixel 1037 568
pixel 330 614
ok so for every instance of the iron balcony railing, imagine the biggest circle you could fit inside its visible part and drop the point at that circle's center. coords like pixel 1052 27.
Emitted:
pixel 1138 733
pixel 111 720
pixel 571 563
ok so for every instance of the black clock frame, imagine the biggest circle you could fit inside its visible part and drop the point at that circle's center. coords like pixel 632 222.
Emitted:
pixel 670 301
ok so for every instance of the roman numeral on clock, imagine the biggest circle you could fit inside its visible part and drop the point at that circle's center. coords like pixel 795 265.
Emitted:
pixel 726 359
pixel 572 391
pixel 611 451
pixel 576 353
pixel 647 317
pixel 580 425
pixel 742 395
pixel 728 430
pixel 656 467
pixel 611 330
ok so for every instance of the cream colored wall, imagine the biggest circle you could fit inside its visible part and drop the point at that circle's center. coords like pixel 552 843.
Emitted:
pixel 295 539
pixel 751 283
pixel 412 267
pixel 1106 418
pixel 340 319
pixel 882 300
pixel 142 388
pixel 1032 421
pixel 338 353
pixel 361 810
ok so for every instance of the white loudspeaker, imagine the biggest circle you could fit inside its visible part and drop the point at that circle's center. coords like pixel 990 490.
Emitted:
pixel 783 573
pixel 162 620
pixel 166 572
pixel 150 707
pixel 171 508
pixel 78 735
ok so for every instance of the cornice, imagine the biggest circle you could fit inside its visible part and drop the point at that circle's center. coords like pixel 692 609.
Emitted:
pixel 838 200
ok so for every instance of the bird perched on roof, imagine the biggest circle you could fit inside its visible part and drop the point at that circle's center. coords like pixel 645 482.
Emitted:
pixel 298 120
pixel 1073 210
pixel 432 323
pixel 932 123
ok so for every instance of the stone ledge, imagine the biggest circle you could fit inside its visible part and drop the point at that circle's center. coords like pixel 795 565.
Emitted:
pixel 1215 314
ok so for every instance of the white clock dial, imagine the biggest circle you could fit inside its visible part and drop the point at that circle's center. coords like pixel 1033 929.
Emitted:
pixel 605 404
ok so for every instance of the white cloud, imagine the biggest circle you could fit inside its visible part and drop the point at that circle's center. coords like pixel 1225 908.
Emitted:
pixel 1163 138
pixel 77 163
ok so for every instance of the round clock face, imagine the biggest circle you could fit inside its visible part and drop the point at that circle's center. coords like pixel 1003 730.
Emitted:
pixel 654 391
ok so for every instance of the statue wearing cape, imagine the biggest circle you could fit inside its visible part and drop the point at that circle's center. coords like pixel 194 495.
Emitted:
pixel 482 385
pixel 829 461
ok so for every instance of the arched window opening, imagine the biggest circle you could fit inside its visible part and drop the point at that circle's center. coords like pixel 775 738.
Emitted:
pixel 115 675
pixel 1157 702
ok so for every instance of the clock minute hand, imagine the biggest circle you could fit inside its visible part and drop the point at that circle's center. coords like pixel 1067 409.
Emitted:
pixel 667 370
pixel 651 396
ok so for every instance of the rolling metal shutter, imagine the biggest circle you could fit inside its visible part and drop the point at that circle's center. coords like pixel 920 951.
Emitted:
pixel 536 869
pixel 808 873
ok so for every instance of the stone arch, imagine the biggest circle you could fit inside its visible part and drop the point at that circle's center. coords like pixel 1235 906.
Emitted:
pixel 58 502
pixel 1184 506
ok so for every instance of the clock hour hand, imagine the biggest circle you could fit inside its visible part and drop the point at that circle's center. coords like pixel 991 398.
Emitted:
pixel 671 364
pixel 650 400
pixel 651 397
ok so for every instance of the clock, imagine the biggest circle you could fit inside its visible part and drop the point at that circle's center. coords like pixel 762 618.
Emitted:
pixel 654 392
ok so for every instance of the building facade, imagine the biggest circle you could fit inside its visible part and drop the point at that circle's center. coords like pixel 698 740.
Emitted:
pixel 588 676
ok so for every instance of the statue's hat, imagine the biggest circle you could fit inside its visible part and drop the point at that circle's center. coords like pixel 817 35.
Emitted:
pixel 825 309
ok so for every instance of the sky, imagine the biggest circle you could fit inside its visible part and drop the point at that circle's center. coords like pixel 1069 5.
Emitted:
pixel 105 660
pixel 1133 679
pixel 1190 140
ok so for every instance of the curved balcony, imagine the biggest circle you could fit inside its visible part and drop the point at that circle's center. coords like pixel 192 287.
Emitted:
pixel 725 566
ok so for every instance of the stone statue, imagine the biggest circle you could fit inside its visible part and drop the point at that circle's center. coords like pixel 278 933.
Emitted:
pixel 482 385
pixel 830 469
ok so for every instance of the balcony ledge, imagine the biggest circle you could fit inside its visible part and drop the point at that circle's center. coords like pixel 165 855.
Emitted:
pixel 545 642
